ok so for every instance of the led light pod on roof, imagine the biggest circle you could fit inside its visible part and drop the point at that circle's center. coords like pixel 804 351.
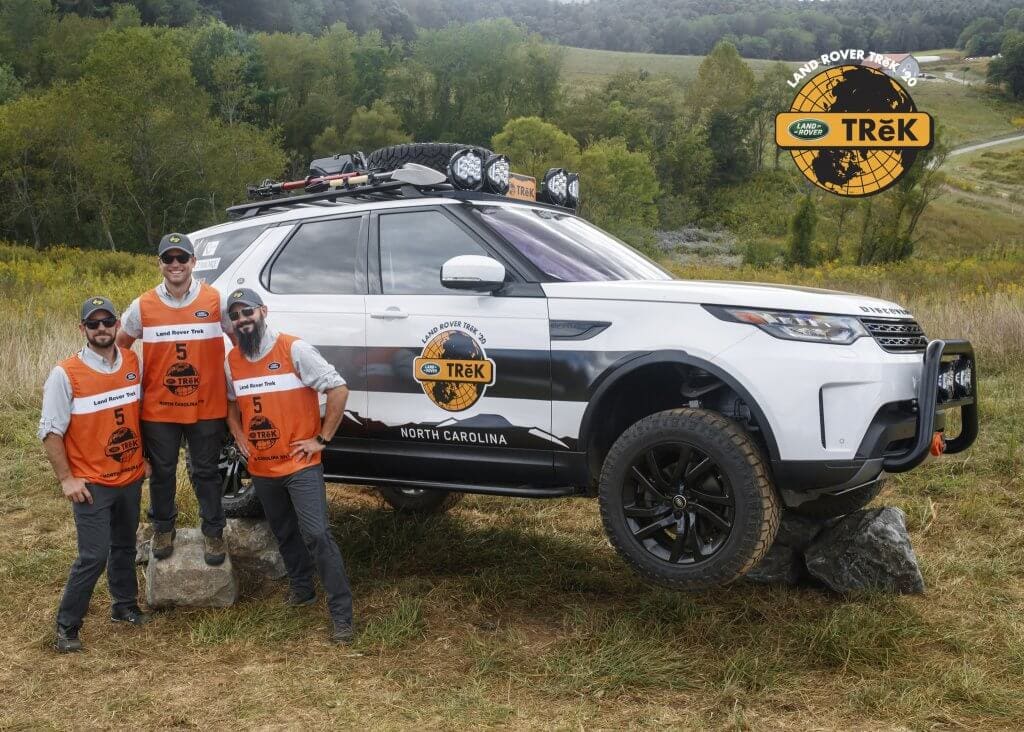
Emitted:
pixel 556 186
pixel 466 169
pixel 572 198
pixel 496 174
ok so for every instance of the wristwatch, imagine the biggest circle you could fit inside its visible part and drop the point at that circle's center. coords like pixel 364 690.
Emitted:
pixel 320 439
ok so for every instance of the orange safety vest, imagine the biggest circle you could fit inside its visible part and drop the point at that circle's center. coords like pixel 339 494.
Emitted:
pixel 103 442
pixel 183 350
pixel 276 408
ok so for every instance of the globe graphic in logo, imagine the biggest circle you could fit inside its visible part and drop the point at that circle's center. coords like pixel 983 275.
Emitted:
pixel 182 379
pixel 262 433
pixel 122 445
pixel 846 171
pixel 453 370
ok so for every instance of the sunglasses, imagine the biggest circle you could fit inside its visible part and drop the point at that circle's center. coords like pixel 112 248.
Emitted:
pixel 236 314
pixel 105 322
pixel 181 258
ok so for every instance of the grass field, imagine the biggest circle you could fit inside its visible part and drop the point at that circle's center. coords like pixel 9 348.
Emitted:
pixel 509 613
pixel 969 113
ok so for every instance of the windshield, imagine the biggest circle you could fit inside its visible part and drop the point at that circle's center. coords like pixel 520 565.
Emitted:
pixel 567 248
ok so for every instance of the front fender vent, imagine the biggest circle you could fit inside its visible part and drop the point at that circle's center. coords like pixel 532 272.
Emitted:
pixel 897 336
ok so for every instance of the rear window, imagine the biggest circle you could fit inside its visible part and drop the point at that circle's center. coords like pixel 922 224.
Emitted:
pixel 216 252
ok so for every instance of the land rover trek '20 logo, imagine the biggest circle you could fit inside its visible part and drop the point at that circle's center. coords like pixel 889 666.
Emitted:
pixel 182 379
pixel 453 369
pixel 853 130
pixel 262 433
pixel 122 445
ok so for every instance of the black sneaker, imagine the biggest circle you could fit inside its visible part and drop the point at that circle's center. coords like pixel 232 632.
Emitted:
pixel 300 599
pixel 342 633
pixel 67 640
pixel 131 615
pixel 216 550
pixel 163 544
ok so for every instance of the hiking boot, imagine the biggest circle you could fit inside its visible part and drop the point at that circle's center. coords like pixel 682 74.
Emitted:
pixel 216 550
pixel 163 544
pixel 342 633
pixel 300 599
pixel 130 615
pixel 67 640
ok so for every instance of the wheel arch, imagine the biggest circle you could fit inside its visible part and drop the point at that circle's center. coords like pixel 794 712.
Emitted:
pixel 608 384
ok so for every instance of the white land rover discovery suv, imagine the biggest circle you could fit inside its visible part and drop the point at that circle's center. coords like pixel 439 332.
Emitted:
pixel 508 347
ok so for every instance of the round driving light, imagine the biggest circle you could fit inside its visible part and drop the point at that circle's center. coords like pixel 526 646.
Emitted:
pixel 572 198
pixel 496 174
pixel 556 186
pixel 466 169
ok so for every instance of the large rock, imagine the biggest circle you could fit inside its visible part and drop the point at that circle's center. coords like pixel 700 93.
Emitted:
pixel 867 549
pixel 184 578
pixel 798 531
pixel 253 547
pixel 780 566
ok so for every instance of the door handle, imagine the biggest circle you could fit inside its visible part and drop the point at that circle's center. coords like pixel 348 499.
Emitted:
pixel 391 313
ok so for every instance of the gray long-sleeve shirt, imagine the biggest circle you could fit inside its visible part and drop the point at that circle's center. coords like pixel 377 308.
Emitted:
pixel 131 319
pixel 313 369
pixel 57 397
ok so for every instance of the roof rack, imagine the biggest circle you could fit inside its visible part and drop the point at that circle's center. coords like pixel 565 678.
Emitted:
pixel 387 191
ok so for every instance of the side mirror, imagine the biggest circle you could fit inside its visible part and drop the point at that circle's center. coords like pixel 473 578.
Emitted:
pixel 473 272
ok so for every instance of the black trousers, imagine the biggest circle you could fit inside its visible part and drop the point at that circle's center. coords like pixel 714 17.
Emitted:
pixel 106 538
pixel 163 442
pixel 296 509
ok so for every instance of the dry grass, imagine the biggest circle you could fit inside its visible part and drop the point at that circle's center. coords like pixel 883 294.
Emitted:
pixel 509 613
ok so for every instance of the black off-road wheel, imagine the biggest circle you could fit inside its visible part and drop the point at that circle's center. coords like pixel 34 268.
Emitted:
pixel 419 501
pixel 832 506
pixel 687 501
pixel 432 154
pixel 237 494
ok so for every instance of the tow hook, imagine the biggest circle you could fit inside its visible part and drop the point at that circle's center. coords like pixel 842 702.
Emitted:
pixel 938 444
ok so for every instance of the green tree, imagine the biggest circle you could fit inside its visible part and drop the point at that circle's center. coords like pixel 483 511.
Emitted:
pixel 22 22
pixel 724 83
pixel 801 234
pixel 618 189
pixel 534 145
pixel 1007 71
pixel 10 84
pixel 369 129
pixel 772 94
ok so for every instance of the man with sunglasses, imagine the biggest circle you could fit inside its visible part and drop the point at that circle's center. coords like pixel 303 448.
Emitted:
pixel 273 380
pixel 183 392
pixel 91 433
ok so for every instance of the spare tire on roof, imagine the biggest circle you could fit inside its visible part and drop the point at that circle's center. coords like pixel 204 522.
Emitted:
pixel 432 154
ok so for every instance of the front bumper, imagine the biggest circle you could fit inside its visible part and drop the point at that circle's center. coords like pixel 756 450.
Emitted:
pixel 900 436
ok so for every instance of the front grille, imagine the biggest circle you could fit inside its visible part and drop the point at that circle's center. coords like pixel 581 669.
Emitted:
pixel 896 336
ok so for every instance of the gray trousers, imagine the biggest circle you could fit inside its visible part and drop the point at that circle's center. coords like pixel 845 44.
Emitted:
pixel 296 509
pixel 106 538
pixel 163 442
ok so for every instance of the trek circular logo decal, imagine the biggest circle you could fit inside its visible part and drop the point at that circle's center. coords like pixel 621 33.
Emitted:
pixel 853 130
pixel 453 367
pixel 182 379
pixel 122 445
pixel 262 433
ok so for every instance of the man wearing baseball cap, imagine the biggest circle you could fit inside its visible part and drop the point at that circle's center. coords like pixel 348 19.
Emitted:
pixel 183 391
pixel 273 380
pixel 91 433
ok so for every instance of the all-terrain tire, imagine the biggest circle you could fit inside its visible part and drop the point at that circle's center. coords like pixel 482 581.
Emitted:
pixel 238 499
pixel 832 506
pixel 432 154
pixel 419 501
pixel 740 464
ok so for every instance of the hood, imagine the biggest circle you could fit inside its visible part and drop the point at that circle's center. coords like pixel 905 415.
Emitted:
pixel 745 294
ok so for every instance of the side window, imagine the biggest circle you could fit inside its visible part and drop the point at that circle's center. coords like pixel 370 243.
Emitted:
pixel 319 259
pixel 414 245
pixel 216 252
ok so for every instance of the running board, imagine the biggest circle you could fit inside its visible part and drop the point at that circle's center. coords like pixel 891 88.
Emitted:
pixel 514 491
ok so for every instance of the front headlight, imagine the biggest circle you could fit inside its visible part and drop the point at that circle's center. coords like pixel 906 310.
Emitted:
pixel 813 327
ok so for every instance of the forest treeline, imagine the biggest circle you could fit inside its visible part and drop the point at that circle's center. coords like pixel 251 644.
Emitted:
pixel 113 131
pixel 776 29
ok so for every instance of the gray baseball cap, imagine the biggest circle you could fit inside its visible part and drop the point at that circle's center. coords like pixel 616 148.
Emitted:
pixel 176 241
pixel 245 296
pixel 97 302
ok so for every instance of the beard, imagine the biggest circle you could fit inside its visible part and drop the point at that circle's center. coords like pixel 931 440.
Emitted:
pixel 249 340
pixel 100 340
